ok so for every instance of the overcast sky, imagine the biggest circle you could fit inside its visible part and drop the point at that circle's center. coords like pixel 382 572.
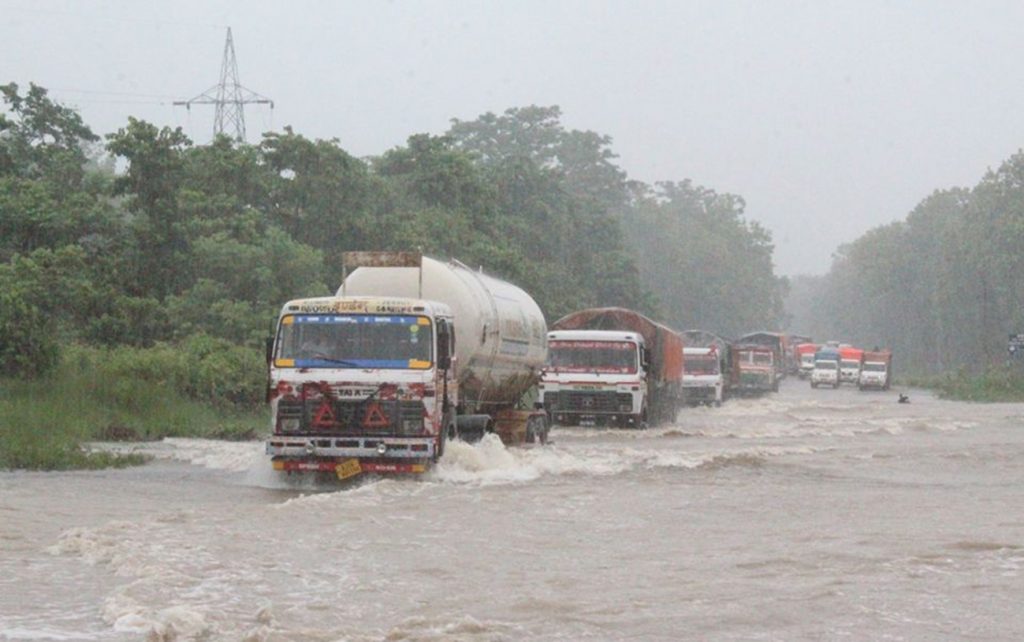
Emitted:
pixel 829 118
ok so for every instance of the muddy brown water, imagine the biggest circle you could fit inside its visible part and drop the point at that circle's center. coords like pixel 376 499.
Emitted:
pixel 806 515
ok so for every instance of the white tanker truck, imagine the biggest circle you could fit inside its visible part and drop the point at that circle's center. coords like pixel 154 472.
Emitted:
pixel 411 352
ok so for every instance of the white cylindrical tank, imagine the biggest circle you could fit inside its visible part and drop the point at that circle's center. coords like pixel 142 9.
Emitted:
pixel 500 332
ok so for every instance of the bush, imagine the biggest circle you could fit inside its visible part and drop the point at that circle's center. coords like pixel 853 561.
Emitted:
pixel 994 385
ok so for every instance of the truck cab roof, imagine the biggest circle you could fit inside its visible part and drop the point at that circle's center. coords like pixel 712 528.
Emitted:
pixel 594 335
pixel 366 305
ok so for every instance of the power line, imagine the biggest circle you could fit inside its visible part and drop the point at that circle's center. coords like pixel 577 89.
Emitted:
pixel 229 97
pixel 114 18
pixel 98 92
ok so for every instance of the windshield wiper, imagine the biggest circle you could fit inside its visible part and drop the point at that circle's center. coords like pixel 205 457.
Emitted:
pixel 340 362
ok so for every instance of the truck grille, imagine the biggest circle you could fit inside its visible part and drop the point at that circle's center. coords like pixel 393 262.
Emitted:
pixel 585 401
pixel 392 417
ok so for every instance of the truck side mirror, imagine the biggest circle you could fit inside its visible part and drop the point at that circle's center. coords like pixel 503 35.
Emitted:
pixel 270 349
pixel 444 343
pixel 645 358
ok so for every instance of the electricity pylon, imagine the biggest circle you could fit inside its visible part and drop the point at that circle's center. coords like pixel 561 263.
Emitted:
pixel 229 96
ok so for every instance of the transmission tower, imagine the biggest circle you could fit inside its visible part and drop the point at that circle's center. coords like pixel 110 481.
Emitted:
pixel 228 96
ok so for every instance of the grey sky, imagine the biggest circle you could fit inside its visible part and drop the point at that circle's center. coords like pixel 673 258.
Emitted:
pixel 828 118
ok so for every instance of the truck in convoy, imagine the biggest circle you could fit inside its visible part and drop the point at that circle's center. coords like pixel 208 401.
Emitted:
pixel 805 357
pixel 595 377
pixel 826 367
pixel 876 371
pixel 793 358
pixel 409 353
pixel 754 369
pixel 702 386
pixel 850 360
pixel 702 376
pixel 779 345
pixel 655 389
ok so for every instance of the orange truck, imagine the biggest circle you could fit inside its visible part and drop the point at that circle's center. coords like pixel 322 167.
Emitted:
pixel 876 371
pixel 850 361
pixel 805 358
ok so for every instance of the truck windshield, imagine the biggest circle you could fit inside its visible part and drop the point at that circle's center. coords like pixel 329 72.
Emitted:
pixel 354 341
pixel 807 359
pixel 700 365
pixel 612 357
pixel 757 358
pixel 874 367
pixel 826 365
pixel 849 363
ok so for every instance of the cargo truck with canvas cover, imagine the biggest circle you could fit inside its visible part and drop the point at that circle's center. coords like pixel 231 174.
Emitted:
pixel 805 357
pixel 876 371
pixel 722 346
pixel 754 369
pixel 850 360
pixel 794 341
pixel 661 366
pixel 595 377
pixel 826 367
pixel 779 345
pixel 410 352
pixel 702 376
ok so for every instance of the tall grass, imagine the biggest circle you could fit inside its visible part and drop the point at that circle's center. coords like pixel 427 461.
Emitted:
pixel 1001 384
pixel 121 394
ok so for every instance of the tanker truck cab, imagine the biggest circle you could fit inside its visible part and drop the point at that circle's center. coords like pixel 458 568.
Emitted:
pixel 702 376
pixel 595 378
pixel 360 384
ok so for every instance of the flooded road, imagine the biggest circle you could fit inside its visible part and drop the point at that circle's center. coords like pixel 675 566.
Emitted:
pixel 810 514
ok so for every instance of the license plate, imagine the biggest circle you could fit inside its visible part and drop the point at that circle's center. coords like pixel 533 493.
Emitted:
pixel 348 468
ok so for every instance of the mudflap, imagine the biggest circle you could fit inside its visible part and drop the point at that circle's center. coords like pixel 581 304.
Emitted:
pixel 517 427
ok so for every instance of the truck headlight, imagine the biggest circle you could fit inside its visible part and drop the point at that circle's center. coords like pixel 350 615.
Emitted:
pixel 382 448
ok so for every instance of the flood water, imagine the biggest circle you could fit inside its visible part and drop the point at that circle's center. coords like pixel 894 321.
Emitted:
pixel 808 514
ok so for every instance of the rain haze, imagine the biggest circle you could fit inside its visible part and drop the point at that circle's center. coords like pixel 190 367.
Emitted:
pixel 827 118
pixel 532 320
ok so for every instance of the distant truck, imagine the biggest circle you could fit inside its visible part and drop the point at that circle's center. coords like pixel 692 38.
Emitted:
pixel 876 373
pixel 850 360
pixel 723 350
pixel 826 367
pixel 595 377
pixel 410 353
pixel 779 344
pixel 754 369
pixel 793 358
pixel 702 377
pixel 660 380
pixel 805 358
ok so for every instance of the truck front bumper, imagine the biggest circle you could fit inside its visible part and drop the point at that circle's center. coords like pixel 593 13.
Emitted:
pixel 353 447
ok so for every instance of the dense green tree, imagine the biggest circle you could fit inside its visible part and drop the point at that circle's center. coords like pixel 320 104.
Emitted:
pixel 941 287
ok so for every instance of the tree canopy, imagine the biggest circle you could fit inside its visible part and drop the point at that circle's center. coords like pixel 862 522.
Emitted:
pixel 211 239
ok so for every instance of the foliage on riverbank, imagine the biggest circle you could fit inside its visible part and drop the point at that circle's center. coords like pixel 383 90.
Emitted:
pixel 994 385
pixel 201 388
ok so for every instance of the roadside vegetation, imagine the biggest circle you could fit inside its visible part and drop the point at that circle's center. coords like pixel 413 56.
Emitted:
pixel 201 388
pixel 1000 384
pixel 941 287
